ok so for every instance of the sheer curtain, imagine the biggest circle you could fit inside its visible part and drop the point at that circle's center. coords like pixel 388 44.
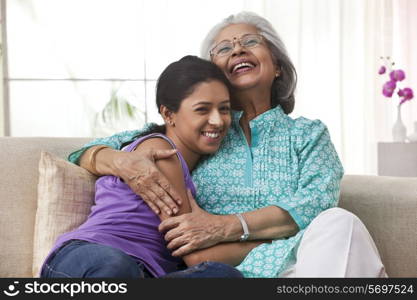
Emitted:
pixel 336 47
pixel 125 44
pixel 405 52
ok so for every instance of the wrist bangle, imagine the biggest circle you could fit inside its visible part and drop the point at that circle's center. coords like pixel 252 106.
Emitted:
pixel 246 233
pixel 93 158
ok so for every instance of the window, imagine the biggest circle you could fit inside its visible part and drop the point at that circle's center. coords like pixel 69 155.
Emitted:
pixel 67 59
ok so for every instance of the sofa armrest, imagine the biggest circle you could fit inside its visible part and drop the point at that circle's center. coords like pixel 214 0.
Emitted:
pixel 388 208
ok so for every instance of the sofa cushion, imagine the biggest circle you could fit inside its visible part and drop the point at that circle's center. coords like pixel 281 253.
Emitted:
pixel 65 196
pixel 19 169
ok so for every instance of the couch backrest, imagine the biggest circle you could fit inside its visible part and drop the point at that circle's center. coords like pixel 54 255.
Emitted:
pixel 19 158
pixel 388 208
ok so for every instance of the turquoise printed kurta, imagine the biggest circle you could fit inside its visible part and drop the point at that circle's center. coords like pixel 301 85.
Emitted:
pixel 290 163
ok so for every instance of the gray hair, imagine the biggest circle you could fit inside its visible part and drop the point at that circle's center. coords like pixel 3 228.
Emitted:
pixel 283 87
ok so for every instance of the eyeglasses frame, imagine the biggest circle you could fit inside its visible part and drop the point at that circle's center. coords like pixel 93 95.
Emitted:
pixel 239 40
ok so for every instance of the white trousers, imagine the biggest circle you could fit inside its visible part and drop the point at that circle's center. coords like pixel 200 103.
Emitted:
pixel 336 244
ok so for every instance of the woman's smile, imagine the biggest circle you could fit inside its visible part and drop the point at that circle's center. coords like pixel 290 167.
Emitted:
pixel 213 137
pixel 241 65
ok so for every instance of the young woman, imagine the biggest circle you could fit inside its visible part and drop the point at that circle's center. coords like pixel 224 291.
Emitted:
pixel 120 238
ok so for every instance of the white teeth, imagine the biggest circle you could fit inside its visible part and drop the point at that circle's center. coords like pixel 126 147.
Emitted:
pixel 212 135
pixel 243 64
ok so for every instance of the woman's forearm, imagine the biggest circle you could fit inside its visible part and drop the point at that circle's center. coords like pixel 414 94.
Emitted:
pixel 199 229
pixel 138 170
pixel 270 222
pixel 103 162
pixel 229 253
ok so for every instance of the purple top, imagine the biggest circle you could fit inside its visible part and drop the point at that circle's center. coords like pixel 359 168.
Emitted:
pixel 121 219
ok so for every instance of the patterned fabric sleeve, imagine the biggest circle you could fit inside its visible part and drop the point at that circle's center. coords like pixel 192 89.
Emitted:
pixel 115 141
pixel 320 173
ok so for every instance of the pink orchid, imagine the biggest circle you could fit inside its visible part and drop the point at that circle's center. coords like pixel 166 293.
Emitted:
pixel 395 76
pixel 388 88
pixel 406 94
pixel 382 70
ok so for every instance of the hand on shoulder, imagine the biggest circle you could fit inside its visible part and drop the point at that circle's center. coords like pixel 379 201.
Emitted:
pixel 171 169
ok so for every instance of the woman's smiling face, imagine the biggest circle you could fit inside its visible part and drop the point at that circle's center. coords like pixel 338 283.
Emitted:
pixel 246 68
pixel 203 118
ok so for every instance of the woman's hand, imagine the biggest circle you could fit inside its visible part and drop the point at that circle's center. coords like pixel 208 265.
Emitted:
pixel 138 170
pixel 195 230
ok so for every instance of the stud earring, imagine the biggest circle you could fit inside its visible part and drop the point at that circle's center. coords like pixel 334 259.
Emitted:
pixel 277 74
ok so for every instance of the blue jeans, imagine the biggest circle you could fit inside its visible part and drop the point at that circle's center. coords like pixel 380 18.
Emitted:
pixel 81 259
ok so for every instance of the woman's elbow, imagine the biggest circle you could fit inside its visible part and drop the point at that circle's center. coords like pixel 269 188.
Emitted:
pixel 293 229
pixel 288 230
pixel 291 226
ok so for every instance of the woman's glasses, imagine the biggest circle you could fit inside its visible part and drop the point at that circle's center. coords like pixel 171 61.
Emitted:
pixel 226 47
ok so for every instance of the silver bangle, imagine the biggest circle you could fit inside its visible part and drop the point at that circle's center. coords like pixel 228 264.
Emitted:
pixel 246 233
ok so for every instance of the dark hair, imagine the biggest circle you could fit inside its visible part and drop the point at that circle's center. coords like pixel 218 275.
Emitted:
pixel 179 80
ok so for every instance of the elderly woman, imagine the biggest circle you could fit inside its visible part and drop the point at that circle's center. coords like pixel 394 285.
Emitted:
pixel 274 180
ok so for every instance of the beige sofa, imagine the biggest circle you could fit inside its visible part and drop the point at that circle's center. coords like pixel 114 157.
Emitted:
pixel 387 206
